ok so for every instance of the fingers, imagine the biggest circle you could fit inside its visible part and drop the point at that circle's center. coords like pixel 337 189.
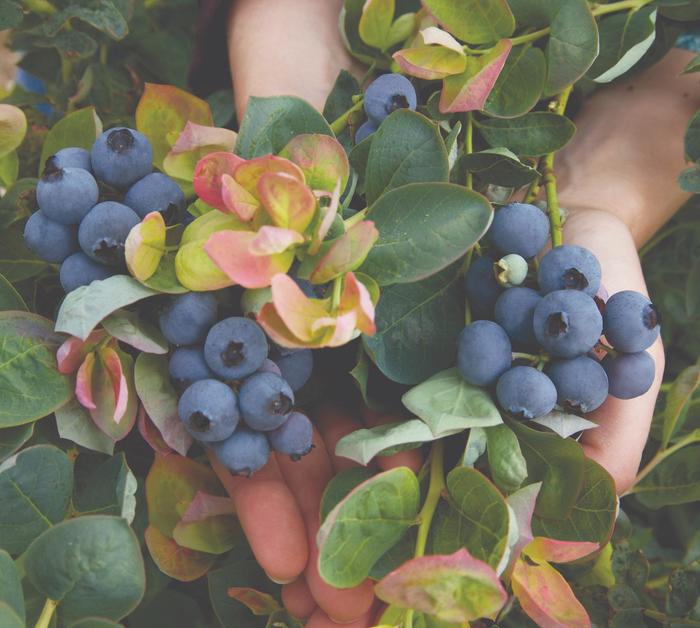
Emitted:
pixel 333 423
pixel 413 459
pixel 320 620
pixel 297 599
pixel 270 518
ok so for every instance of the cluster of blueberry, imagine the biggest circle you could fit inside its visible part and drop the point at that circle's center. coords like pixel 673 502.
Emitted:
pixel 384 95
pixel 238 390
pixel 558 325
pixel 73 228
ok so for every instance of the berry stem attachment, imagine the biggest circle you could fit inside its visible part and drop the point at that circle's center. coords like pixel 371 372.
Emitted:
pixel 340 124
pixel 46 614
pixel 469 145
pixel 607 348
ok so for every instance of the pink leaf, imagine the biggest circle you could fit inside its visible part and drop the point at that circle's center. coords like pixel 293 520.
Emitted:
pixel 258 603
pixel 343 328
pixel 543 550
pixel 113 365
pixel 248 172
pixel 237 200
pixel 207 176
pixel 355 296
pixel 346 253
pixel 272 240
pixel 116 403
pixel 195 136
pixel 83 382
pixel 522 502
pixel 150 433
pixel 275 328
pixel 298 312
pixel 205 505
pixel 288 201
pixel 73 351
pixel 329 214
pixel 322 159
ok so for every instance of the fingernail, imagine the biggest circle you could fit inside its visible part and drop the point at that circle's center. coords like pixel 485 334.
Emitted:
pixel 277 581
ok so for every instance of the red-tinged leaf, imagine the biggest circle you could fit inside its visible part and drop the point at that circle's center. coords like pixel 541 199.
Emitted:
pixel 211 222
pixel 324 226
pixel 356 297
pixel 145 246
pixel 249 172
pixel 231 252
pixel 339 329
pixel 522 503
pixel 430 62
pixel 275 328
pixel 288 201
pixel 346 253
pixel 321 158
pixel 83 382
pixel 175 561
pixel 204 506
pixel 108 399
pixel 542 550
pixel 455 588
pixel 150 433
pixel 208 173
pixel 237 200
pixel 469 90
pixel 272 240
pixel 113 366
pixel 196 141
pixel 72 352
pixel 546 597
pixel 196 270
pixel 298 312
pixel 258 603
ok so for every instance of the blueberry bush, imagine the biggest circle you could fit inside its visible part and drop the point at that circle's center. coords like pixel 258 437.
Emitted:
pixel 178 288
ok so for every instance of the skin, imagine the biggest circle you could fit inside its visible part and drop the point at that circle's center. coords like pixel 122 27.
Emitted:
pixel 614 205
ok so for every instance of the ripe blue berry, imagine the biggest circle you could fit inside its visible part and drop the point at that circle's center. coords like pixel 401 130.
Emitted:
pixel 293 437
pixel 364 131
pixel 519 228
pixel 79 270
pixel 296 367
pixel 103 231
pixel 515 311
pixel 629 374
pixel 388 93
pixel 235 348
pixel 569 267
pixel 70 158
pixel 581 383
pixel 567 323
pixel 244 452
pixel 121 156
pixel 187 318
pixel 266 401
pixel 209 410
pixel 481 287
pixel 526 392
pixel 66 195
pixel 157 192
pixel 268 366
pixel 187 366
pixel 484 353
pixel 49 240
pixel 630 321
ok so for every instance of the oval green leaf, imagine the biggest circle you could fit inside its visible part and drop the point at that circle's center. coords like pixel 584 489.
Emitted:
pixel 533 134
pixel 474 21
pixel 79 129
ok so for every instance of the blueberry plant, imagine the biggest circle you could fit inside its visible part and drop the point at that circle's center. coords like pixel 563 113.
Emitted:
pixel 169 278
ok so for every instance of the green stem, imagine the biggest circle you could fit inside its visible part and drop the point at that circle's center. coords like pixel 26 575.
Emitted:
pixel 527 356
pixel 469 145
pixel 368 73
pixel 339 124
pixel 42 7
pixel 607 348
pixel 355 218
pixel 534 190
pixel 46 614
pixel 104 50
pixel 337 290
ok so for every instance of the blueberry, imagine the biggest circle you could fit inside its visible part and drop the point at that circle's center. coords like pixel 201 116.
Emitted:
pixel 244 452
pixel 157 192
pixel 481 287
pixel 66 195
pixel 187 318
pixel 79 270
pixel 268 366
pixel 293 437
pixel 235 348
pixel 515 310
pixel 70 158
pixel 581 383
pixel 483 353
pixel 519 228
pixel 364 131
pixel 629 374
pixel 510 270
pixel 387 93
pixel 209 410
pixel 569 267
pixel 630 322
pixel 49 240
pixel 296 367
pixel 103 231
pixel 187 366
pixel 121 156
pixel 266 401
pixel 526 392
pixel 567 323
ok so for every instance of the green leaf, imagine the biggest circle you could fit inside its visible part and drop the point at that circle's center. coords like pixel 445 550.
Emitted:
pixel 519 85
pixel 92 566
pixel 104 487
pixel 269 124
pixel 84 308
pixel 624 40
pixel 79 129
pixel 13 128
pixel 35 490
pixel 133 330
pixel 10 299
pixel 506 462
pixel 592 515
pixel 100 14
pixel 474 21
pixel 349 30
pixel 176 561
pixel 689 180
pixel 499 166
pixel 692 66
pixel 407 148
pixel 682 593
pixel 558 463
pixel 675 480
pixel 692 290
pixel 9 169
pixel 448 404
pixel 167 609
pixel 476 518
pixel 75 424
pixel 414 243
pixel 18 203
pixel 692 138
pixel 12 438
pixel 30 382
pixel 340 485
pixel 533 134
pixel 475 447
pixel 17 262
pixel 228 611
pixel 362 527
pixel 9 618
pixel 165 278
pixel 71 44
pixel 435 306
pixel 11 586
pixel 375 23
pixel 340 98
pixel 11 14
pixel 677 399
